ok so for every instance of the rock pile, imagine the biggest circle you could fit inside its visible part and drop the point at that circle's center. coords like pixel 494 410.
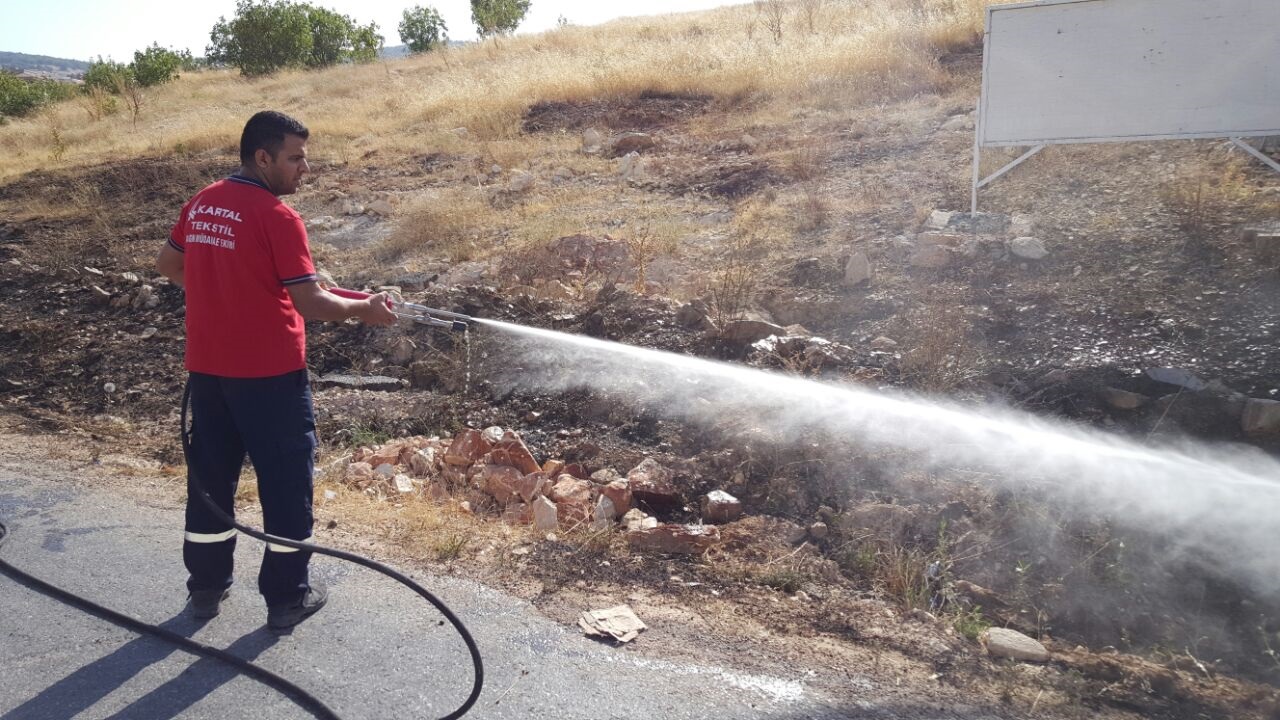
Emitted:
pixel 552 495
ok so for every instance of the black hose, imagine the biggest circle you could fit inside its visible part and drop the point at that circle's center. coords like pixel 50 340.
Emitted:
pixel 304 699
pixel 297 694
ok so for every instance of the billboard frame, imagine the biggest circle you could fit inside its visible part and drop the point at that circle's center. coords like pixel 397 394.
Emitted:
pixel 1036 145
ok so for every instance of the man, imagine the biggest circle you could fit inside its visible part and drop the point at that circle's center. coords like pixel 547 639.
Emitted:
pixel 242 256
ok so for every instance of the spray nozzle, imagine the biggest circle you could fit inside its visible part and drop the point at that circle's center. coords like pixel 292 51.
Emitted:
pixel 421 314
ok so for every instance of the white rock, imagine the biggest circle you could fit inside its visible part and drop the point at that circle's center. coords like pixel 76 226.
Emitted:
pixel 460 132
pixel 884 343
pixel 938 219
pixel 603 514
pixel 520 182
pixel 857 270
pixel 631 166
pixel 957 122
pixel 1003 642
pixel 492 434
pixel 386 470
pixel 381 207
pixel 591 140
pixel 545 514
pixel 1028 247
pixel 403 483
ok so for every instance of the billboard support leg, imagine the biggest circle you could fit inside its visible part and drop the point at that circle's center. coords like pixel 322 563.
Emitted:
pixel 991 178
pixel 1256 153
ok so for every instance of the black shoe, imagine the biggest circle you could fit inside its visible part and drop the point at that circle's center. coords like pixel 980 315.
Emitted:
pixel 285 616
pixel 205 604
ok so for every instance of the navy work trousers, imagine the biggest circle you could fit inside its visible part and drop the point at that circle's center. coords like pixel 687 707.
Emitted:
pixel 272 420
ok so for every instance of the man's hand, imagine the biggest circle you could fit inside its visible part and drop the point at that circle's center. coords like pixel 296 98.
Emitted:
pixel 316 303
pixel 375 311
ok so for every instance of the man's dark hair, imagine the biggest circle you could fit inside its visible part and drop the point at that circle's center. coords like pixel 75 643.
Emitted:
pixel 266 131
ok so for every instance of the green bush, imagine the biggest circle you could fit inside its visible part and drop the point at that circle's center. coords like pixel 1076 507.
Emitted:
pixel 105 74
pixel 267 36
pixel 157 65
pixel 422 29
pixel 19 97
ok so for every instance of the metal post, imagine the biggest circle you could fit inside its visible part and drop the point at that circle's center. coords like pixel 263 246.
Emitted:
pixel 1256 153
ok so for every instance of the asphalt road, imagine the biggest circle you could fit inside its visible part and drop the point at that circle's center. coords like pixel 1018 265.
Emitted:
pixel 376 651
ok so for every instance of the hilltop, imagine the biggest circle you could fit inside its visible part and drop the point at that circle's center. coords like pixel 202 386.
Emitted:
pixel 43 65
pixel 697 183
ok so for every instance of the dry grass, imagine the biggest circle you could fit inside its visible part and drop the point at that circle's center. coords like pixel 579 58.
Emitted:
pixel 874 49
pixel 444 224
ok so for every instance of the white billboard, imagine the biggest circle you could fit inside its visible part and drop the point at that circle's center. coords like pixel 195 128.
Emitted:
pixel 1066 71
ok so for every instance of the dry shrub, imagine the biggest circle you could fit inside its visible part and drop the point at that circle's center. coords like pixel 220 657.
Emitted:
pixel 812 211
pixel 941 353
pixel 1203 199
pixel 445 225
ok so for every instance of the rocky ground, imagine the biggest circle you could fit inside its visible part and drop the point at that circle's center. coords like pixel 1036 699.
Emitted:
pixel 1115 287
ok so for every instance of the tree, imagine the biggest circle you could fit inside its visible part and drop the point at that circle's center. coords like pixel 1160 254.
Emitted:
pixel 422 29
pixel 262 38
pixel 157 65
pixel 498 17
pixel 273 34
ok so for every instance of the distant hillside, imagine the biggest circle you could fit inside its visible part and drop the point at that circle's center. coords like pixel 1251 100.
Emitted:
pixel 42 64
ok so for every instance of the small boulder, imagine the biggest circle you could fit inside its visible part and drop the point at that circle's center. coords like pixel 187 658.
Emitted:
pixel 858 270
pixel 747 331
pixel 679 539
pixel 650 483
pixel 570 489
pixel 591 141
pixel 502 482
pixel 545 514
pixel 619 493
pixel 468 447
pixel 1028 248
pixel 631 142
pixel 720 507
pixel 1261 418
pixel 1003 642
pixel 603 516
pixel 938 219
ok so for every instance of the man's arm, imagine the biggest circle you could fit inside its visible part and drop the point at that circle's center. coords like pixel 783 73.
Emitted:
pixel 169 263
pixel 316 303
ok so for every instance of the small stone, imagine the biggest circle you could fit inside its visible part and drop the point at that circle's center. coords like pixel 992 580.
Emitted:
pixel 1028 248
pixel 884 343
pixel 492 434
pixel 109 388
pixel 403 483
pixel 857 270
pixel 520 182
pixel 381 207
pixel 819 531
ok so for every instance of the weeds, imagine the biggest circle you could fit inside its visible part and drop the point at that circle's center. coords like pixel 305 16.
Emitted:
pixel 970 623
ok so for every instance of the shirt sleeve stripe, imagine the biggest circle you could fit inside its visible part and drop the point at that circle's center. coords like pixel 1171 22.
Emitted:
pixel 175 246
pixel 299 279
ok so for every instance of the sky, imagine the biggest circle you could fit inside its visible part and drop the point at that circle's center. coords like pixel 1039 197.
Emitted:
pixel 86 29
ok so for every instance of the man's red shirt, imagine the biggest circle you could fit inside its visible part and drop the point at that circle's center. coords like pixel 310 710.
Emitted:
pixel 243 247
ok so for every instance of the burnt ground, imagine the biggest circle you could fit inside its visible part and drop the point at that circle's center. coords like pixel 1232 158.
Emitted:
pixel 1137 277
